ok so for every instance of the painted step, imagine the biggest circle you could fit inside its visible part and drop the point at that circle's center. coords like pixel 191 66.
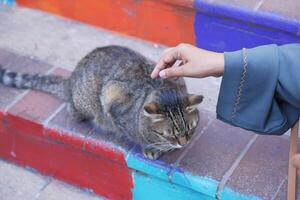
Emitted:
pixel 222 161
pixel 220 25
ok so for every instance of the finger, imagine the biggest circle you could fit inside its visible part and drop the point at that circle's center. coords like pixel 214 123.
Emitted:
pixel 176 65
pixel 156 70
pixel 167 60
pixel 159 66
pixel 173 72
pixel 170 56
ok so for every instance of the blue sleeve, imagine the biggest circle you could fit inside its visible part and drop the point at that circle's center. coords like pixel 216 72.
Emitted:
pixel 262 95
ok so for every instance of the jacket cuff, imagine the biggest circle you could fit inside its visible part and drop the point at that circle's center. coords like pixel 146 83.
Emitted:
pixel 230 84
pixel 247 97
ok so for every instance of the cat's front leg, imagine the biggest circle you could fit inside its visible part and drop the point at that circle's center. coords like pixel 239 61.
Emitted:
pixel 151 153
pixel 75 115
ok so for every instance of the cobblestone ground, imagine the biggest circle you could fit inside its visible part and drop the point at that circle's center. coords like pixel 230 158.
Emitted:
pixel 18 183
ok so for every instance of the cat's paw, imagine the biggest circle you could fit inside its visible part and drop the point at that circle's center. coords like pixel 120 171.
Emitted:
pixel 152 154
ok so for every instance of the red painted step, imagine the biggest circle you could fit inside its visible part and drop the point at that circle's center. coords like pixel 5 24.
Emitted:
pixel 35 131
pixel 163 21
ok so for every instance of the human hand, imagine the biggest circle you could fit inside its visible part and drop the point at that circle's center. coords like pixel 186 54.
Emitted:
pixel 195 62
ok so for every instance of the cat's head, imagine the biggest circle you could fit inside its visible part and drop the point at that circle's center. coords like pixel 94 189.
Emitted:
pixel 170 119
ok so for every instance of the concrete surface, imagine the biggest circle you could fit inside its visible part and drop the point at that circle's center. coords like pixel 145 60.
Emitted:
pixel 17 183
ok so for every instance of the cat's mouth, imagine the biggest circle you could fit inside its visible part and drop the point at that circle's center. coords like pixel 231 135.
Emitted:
pixel 182 141
pixel 166 144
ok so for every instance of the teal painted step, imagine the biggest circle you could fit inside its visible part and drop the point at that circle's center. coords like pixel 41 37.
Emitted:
pixel 156 180
pixel 148 187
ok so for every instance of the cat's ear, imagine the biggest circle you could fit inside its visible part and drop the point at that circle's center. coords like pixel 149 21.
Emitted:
pixel 192 102
pixel 152 110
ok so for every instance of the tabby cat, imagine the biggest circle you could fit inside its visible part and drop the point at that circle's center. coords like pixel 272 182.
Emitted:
pixel 112 87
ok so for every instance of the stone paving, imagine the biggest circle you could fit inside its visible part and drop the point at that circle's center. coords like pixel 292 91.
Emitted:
pixel 18 183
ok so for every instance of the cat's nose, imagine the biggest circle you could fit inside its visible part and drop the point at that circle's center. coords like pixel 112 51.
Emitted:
pixel 182 140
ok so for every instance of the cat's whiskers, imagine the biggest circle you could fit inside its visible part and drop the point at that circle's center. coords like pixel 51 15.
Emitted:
pixel 156 144
pixel 160 136
pixel 165 149
pixel 162 144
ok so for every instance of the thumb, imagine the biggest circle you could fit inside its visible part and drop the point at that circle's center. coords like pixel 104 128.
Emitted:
pixel 172 72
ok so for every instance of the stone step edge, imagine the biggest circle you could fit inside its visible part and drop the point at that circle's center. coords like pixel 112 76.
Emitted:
pixel 37 144
pixel 175 175
pixel 134 161
pixel 64 155
pixel 261 18
pixel 197 22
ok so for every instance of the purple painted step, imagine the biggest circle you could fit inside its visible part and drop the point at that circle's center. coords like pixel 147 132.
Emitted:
pixel 228 25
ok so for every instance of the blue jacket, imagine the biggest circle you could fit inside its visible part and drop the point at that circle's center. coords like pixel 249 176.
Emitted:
pixel 260 89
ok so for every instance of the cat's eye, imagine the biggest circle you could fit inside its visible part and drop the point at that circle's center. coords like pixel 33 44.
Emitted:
pixel 192 124
pixel 190 109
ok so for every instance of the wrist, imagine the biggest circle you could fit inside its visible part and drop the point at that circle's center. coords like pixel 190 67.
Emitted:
pixel 218 65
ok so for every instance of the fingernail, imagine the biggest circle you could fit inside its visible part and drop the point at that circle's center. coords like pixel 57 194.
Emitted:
pixel 162 74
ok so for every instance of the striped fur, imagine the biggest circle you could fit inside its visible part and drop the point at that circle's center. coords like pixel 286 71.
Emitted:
pixel 48 83
pixel 172 104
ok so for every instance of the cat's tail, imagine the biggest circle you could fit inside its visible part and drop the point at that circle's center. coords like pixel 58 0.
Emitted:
pixel 55 85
